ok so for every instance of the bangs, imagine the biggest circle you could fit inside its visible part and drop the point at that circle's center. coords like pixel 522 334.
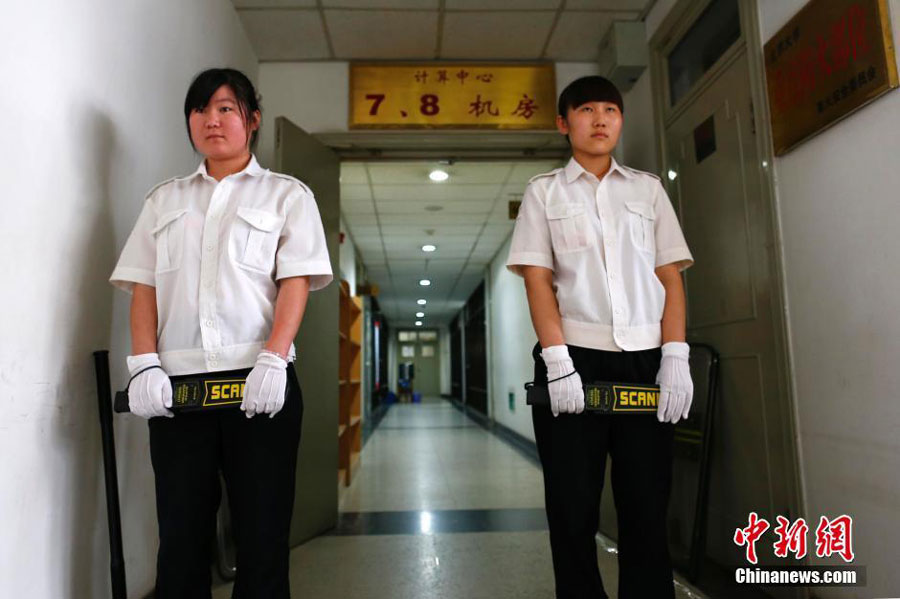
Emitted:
pixel 203 88
pixel 589 89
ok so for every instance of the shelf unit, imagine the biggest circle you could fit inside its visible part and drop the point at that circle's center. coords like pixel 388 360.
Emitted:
pixel 350 375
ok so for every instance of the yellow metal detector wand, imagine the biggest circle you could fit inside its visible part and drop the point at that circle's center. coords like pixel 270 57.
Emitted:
pixel 604 397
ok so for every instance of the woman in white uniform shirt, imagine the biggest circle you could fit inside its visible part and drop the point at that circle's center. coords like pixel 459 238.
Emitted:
pixel 220 265
pixel 601 252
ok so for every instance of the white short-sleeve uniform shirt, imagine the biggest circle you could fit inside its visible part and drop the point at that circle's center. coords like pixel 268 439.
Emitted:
pixel 214 251
pixel 602 239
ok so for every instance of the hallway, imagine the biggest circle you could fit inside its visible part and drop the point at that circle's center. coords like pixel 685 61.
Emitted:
pixel 441 509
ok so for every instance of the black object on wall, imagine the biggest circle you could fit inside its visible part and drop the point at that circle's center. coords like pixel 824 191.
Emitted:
pixel 476 351
pixel 114 519
pixel 379 352
pixel 456 357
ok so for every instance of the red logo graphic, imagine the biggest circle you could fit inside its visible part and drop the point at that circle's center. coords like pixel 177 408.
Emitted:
pixel 748 536
pixel 835 536
pixel 791 539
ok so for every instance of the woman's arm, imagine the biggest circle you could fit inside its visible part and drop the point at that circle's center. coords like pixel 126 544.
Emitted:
pixel 289 308
pixel 674 318
pixel 543 306
pixel 143 320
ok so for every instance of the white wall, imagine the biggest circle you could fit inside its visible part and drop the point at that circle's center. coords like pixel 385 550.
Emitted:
pixel 837 201
pixel 313 95
pixel 637 144
pixel 512 339
pixel 93 95
pixel 446 381
pixel 347 258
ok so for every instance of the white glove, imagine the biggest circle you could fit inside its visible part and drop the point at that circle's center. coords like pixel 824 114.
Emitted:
pixel 150 392
pixel 266 385
pixel 566 395
pixel 676 389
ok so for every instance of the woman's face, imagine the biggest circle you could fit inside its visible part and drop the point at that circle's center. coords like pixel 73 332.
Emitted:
pixel 218 131
pixel 593 128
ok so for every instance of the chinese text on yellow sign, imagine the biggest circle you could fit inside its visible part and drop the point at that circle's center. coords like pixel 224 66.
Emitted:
pixel 461 96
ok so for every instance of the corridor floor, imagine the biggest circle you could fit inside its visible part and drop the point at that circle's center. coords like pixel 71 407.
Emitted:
pixel 441 508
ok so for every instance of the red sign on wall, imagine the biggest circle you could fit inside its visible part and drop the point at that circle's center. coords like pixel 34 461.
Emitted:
pixel 833 57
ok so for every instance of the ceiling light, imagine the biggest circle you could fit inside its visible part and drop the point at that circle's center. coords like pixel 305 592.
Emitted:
pixel 672 175
pixel 420 315
pixel 438 175
pixel 424 282
pixel 428 248
pixel 418 323
pixel 421 302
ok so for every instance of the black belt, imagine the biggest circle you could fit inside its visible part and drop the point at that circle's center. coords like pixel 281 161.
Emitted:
pixel 205 391
pixel 605 398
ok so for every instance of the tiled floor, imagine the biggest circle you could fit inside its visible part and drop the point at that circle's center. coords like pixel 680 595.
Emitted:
pixel 440 509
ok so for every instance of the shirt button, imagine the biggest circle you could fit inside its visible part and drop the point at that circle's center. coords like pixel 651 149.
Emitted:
pixel 209 247
pixel 213 363
pixel 209 323
pixel 618 311
pixel 212 356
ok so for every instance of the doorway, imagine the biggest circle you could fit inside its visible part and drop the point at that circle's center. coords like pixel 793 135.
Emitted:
pixel 707 83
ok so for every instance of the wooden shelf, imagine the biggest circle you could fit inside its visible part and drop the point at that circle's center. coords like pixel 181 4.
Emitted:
pixel 350 312
pixel 354 464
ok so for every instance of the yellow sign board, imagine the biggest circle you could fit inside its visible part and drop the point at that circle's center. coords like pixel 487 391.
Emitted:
pixel 457 96
pixel 831 58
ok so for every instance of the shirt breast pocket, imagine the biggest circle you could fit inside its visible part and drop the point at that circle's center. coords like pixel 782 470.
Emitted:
pixel 641 225
pixel 169 236
pixel 254 239
pixel 570 230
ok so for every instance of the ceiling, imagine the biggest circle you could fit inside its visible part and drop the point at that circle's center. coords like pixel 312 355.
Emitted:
pixel 301 30
pixel 392 209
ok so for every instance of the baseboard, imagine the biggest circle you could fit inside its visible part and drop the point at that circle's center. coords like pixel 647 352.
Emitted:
pixel 520 443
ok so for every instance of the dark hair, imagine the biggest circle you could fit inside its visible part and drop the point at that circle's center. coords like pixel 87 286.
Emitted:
pixel 589 89
pixel 205 85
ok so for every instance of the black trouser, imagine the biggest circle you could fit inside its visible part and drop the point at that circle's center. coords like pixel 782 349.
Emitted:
pixel 258 458
pixel 573 449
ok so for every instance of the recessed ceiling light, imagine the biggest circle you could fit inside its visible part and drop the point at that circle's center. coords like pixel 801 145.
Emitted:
pixel 418 323
pixel 428 248
pixel 421 302
pixel 420 315
pixel 672 175
pixel 437 175
pixel 424 282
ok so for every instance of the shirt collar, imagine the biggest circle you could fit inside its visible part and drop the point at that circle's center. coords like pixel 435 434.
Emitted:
pixel 574 170
pixel 253 169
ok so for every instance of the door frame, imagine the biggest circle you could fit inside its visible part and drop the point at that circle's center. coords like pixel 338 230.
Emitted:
pixel 676 23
